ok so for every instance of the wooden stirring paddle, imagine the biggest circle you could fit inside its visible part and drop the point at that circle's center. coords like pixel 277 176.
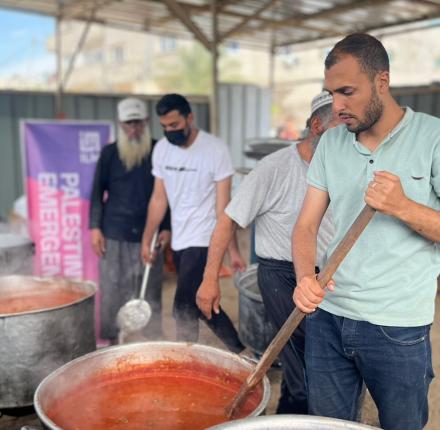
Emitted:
pixel 296 316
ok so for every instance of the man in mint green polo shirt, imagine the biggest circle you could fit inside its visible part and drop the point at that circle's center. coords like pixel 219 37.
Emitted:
pixel 374 324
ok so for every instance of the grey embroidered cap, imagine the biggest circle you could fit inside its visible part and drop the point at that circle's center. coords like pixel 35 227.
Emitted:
pixel 322 99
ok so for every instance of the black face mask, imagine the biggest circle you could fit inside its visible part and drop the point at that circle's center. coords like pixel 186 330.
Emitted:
pixel 177 137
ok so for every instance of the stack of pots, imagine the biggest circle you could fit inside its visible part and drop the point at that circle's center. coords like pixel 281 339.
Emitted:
pixel 254 328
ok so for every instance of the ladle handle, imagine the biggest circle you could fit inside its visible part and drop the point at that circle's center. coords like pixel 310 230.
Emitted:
pixel 296 316
pixel 147 269
pixel 345 245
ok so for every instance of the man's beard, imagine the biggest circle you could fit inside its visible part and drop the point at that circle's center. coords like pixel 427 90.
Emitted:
pixel 372 114
pixel 133 151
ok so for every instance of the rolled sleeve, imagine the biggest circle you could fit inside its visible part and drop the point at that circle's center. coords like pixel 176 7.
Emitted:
pixel 223 164
pixel 316 175
pixel 435 170
pixel 249 199
pixel 157 162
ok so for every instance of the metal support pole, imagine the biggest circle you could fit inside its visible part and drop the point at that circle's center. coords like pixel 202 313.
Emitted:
pixel 214 119
pixel 59 88
pixel 272 63
pixel 78 49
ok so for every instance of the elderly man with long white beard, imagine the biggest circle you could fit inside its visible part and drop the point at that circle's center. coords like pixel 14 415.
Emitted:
pixel 122 188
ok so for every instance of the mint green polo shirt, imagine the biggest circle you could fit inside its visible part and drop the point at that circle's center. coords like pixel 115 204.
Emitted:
pixel 389 276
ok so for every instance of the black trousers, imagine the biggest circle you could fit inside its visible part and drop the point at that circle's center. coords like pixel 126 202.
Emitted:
pixel 190 264
pixel 277 282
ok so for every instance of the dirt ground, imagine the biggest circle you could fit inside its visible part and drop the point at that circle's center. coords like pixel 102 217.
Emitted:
pixel 230 304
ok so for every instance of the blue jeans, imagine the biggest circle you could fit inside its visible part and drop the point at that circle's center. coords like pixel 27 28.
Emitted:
pixel 394 362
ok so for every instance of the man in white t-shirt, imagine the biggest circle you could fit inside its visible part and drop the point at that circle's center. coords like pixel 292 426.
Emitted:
pixel 193 172
pixel 272 195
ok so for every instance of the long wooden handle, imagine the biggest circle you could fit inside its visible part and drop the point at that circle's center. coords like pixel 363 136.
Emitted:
pixel 296 316
pixel 345 245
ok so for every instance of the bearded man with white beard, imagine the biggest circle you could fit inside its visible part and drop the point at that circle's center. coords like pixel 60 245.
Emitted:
pixel 122 188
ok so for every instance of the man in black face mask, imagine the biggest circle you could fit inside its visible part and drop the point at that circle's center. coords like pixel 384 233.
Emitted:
pixel 178 137
pixel 193 172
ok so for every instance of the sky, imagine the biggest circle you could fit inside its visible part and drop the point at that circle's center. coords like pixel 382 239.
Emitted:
pixel 23 52
pixel 23 45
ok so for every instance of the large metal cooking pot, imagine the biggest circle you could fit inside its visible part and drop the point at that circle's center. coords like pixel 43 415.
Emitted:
pixel 291 422
pixel 16 253
pixel 34 343
pixel 254 328
pixel 121 360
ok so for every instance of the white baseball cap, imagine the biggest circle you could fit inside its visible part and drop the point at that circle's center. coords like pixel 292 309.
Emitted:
pixel 132 109
pixel 322 99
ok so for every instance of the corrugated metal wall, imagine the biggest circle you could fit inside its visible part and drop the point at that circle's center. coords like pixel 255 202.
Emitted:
pixel 15 106
pixel 244 113
pixel 421 99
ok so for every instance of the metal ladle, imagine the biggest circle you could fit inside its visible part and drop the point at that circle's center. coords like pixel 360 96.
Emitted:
pixel 136 313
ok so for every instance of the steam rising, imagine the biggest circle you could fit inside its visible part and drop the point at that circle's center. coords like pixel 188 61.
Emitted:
pixel 15 254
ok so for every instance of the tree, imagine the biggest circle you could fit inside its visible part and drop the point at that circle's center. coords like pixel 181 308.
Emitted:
pixel 189 71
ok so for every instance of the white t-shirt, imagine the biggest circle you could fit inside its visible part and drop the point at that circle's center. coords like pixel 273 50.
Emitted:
pixel 272 194
pixel 190 176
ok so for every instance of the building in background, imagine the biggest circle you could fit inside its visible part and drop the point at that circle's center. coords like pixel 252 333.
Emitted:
pixel 299 73
pixel 116 61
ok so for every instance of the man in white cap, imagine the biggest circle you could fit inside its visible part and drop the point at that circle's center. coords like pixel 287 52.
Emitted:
pixel 272 195
pixel 122 188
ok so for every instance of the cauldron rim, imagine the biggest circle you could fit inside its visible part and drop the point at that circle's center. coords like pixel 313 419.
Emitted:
pixel 19 240
pixel 83 284
pixel 133 346
pixel 291 422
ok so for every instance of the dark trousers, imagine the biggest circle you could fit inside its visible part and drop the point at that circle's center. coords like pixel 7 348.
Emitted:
pixel 276 280
pixel 190 264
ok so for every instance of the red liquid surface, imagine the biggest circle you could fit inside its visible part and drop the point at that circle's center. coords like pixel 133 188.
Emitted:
pixel 36 300
pixel 163 396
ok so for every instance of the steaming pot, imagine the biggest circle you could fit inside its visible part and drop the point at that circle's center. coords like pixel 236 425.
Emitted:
pixel 119 362
pixel 16 254
pixel 35 343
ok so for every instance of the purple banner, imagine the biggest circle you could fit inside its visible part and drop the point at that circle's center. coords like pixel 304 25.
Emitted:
pixel 59 161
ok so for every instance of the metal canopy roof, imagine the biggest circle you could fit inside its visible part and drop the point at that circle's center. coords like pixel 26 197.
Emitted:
pixel 254 23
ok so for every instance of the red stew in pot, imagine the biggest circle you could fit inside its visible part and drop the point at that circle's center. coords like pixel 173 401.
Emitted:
pixel 165 395
pixel 46 298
